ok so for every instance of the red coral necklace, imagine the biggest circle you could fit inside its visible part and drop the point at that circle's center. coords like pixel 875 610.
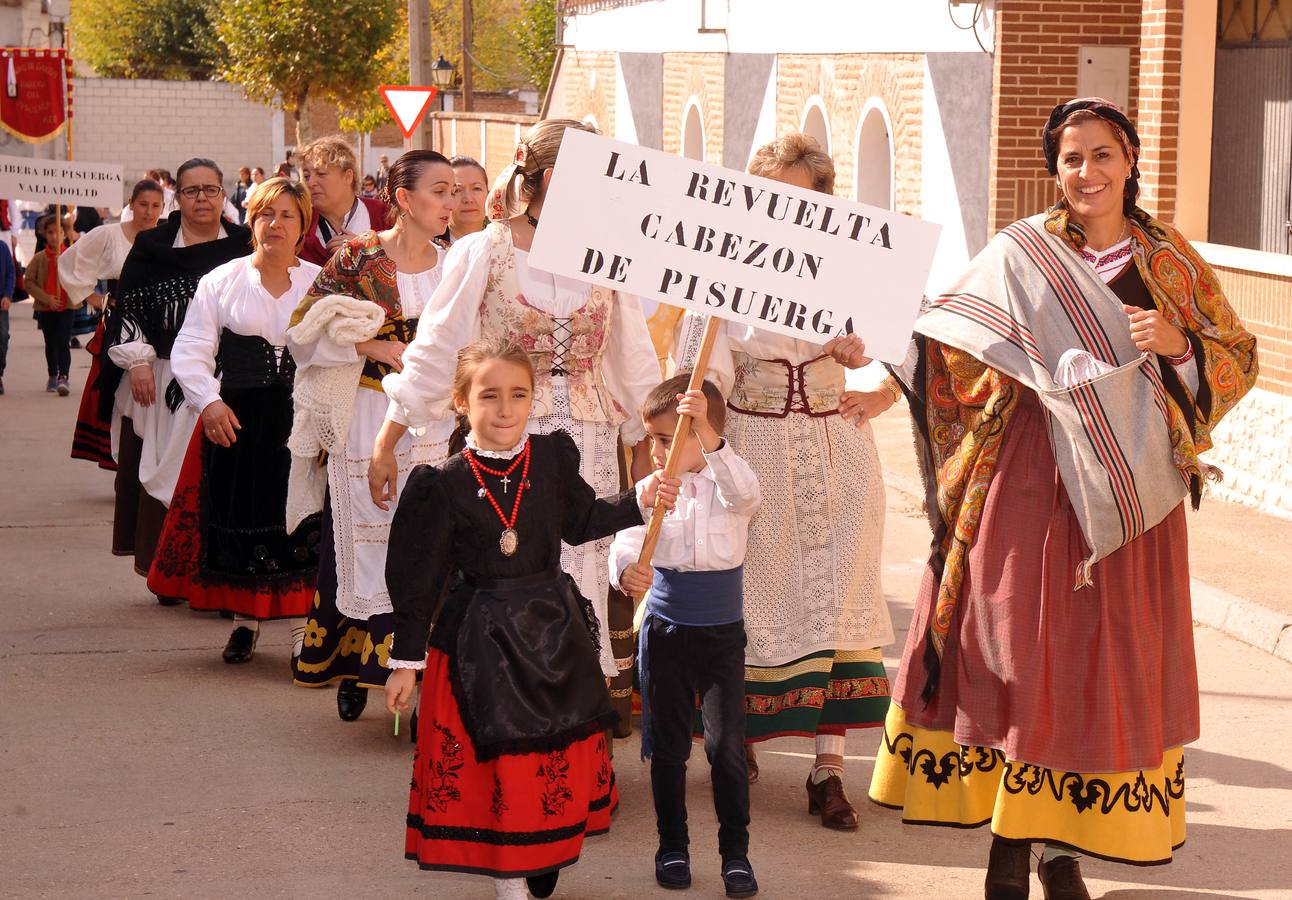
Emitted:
pixel 508 541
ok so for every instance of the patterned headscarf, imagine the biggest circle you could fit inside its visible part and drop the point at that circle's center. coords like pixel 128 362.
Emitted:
pixel 1104 109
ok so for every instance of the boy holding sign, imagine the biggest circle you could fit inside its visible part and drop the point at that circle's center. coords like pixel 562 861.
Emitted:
pixel 693 635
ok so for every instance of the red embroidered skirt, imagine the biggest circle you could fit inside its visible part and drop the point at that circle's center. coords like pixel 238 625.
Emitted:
pixel 512 817
pixel 92 438
pixel 176 567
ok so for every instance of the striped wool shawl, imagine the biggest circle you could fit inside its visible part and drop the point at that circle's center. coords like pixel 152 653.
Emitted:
pixel 1126 447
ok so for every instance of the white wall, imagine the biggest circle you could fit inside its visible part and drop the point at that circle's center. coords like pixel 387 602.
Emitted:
pixel 939 201
pixel 141 124
pixel 762 26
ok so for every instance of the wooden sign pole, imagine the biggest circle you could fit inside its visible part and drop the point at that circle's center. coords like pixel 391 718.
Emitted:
pixel 680 435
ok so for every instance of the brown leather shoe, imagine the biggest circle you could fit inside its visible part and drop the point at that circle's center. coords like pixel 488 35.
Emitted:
pixel 828 800
pixel 751 760
pixel 1009 870
pixel 1061 879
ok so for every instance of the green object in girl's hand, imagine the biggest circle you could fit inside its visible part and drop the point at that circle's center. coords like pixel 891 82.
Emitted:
pixel 396 723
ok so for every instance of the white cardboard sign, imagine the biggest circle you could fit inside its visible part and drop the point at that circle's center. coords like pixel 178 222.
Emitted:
pixel 744 248
pixel 57 181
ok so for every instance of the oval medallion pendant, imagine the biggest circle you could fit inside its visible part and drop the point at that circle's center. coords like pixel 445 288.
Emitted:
pixel 508 541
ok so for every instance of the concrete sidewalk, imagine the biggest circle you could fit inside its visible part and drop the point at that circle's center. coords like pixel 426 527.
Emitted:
pixel 135 763
pixel 1238 556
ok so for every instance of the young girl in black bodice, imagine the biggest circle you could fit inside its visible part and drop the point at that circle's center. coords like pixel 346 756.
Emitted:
pixel 512 767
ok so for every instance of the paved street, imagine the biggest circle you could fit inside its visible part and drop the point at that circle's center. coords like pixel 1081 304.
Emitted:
pixel 135 763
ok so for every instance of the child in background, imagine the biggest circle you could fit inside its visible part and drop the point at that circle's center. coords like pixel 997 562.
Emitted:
pixel 55 311
pixel 512 768
pixel 693 633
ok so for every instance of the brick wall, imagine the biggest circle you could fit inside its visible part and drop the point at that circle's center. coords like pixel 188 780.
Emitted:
pixel 140 124
pixel 699 75
pixel 1035 67
pixel 844 84
pixel 1160 57
pixel 589 82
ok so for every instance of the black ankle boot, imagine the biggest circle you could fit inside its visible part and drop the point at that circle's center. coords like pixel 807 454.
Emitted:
pixel 350 700
pixel 1009 871
pixel 542 885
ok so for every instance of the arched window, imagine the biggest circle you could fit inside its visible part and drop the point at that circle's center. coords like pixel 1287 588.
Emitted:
pixel 873 183
pixel 693 132
pixel 814 124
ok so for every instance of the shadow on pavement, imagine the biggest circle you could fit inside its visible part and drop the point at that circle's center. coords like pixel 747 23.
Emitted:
pixel 1238 771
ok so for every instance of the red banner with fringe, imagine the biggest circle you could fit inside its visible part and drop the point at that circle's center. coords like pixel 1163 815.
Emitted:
pixel 35 92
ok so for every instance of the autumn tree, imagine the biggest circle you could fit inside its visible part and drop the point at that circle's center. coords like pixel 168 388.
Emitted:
pixel 168 39
pixel 302 49
pixel 536 41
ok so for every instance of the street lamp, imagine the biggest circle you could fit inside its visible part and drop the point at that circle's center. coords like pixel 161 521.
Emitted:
pixel 442 72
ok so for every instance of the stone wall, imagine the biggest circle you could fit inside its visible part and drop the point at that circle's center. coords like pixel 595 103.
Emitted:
pixel 142 124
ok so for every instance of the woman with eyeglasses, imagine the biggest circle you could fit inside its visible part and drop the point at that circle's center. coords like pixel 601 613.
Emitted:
pixel 158 280
pixel 225 546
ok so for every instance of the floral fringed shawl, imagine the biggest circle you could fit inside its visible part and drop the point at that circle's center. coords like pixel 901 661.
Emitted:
pixel 962 406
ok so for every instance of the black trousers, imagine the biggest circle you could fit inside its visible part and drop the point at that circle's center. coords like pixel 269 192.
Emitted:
pixel 686 660
pixel 56 327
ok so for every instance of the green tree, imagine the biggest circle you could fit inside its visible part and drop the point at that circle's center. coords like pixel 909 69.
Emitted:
pixel 536 41
pixel 170 39
pixel 368 112
pixel 299 49
pixel 498 67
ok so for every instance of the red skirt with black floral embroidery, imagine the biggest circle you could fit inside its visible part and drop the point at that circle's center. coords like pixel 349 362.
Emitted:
pixel 511 817
pixel 176 569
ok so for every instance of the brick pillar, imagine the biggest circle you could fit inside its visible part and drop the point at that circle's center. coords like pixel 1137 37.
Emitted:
pixel 1034 68
pixel 1161 58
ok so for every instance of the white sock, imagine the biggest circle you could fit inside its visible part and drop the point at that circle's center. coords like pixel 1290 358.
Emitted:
pixel 510 889
pixel 830 743
pixel 241 621
pixel 1052 852
pixel 298 636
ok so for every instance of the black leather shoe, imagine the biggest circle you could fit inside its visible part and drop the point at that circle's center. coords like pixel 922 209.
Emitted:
pixel 350 700
pixel 241 646
pixel 1008 871
pixel 673 869
pixel 542 885
pixel 169 601
pixel 1061 879
pixel 738 877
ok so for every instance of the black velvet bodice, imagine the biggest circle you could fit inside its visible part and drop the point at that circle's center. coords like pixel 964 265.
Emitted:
pixel 443 530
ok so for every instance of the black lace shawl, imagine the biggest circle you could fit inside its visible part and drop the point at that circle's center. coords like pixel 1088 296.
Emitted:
pixel 157 282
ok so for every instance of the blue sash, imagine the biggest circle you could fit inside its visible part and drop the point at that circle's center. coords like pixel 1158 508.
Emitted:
pixel 686 598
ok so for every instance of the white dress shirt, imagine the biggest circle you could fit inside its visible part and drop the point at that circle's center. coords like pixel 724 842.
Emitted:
pixel 708 529
pixel 231 296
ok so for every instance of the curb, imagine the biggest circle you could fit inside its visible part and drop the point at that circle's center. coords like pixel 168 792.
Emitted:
pixel 1243 620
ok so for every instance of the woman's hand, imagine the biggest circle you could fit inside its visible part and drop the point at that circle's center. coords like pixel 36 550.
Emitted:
pixel 848 350
pixel 636 579
pixel 399 689
pixel 1152 333
pixel 859 407
pixel 661 489
pixel 219 424
pixel 142 385
pixel 383 471
pixel 389 353
pixel 95 300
